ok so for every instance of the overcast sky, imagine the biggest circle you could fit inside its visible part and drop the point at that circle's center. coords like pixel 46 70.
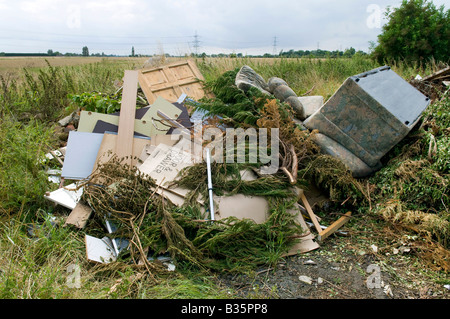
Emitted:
pixel 170 26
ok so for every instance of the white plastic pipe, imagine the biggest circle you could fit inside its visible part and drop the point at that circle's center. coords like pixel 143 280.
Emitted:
pixel 208 165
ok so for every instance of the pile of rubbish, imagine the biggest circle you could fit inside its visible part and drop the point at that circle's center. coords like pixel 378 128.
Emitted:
pixel 434 84
pixel 216 175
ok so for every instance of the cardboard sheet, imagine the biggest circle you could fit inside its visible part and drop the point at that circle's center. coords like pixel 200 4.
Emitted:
pixel 163 164
pixel 139 144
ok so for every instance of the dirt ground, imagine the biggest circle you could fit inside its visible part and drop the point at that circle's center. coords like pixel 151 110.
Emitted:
pixel 372 262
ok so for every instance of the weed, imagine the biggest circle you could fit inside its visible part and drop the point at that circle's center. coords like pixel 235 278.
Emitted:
pixel 22 177
pixel 46 94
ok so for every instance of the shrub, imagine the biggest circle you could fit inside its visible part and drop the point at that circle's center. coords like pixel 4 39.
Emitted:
pixel 416 31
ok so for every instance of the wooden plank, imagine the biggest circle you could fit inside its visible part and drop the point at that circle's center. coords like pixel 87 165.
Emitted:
pixel 195 70
pixel 310 212
pixel 433 76
pixel 335 226
pixel 79 216
pixel 124 144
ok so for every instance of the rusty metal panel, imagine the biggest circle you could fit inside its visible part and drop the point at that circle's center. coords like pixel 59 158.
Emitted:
pixel 370 113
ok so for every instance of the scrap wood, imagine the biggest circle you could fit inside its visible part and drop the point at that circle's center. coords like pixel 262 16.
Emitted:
pixel 323 233
pixel 334 227
pixel 438 75
pixel 171 81
pixel 79 215
pixel 432 84
pixel 289 162
pixel 124 145
pixel 311 214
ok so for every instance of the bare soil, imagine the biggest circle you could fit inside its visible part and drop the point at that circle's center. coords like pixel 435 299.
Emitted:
pixel 374 262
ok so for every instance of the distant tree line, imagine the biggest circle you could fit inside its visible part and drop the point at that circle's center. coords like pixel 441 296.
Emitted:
pixel 288 54
pixel 348 53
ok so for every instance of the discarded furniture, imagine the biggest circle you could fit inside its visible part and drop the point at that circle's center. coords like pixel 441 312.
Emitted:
pixel 368 115
pixel 172 80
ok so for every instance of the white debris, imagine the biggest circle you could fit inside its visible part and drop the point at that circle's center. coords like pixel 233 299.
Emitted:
pixel 388 291
pixel 305 279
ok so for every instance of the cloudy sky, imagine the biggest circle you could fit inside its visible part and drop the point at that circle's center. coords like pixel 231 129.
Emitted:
pixel 186 26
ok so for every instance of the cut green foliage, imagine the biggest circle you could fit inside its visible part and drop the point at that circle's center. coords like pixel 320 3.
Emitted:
pixel 417 175
pixel 128 198
pixel 96 102
pixel 230 103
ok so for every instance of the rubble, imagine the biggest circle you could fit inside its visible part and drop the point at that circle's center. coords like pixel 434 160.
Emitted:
pixel 163 195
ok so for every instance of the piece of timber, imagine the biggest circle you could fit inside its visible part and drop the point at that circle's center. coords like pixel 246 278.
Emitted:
pixel 310 212
pixel 124 145
pixel 335 226
pixel 79 216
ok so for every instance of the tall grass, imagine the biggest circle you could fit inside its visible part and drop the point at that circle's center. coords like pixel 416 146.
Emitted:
pixel 42 93
pixel 36 266
pixel 323 76
pixel 23 181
